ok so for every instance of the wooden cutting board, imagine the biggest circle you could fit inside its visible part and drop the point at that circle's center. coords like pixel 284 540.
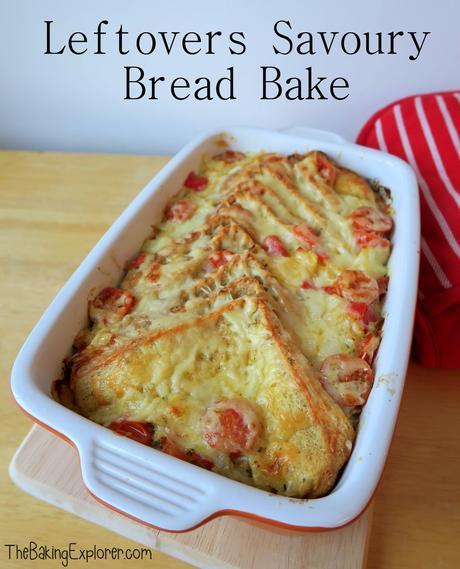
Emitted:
pixel 48 468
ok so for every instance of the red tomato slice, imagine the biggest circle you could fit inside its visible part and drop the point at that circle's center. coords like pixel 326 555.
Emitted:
pixel 218 259
pixel 358 309
pixel 137 261
pixel 364 239
pixel 136 430
pixel 180 210
pixel 347 379
pixel 307 285
pixel 372 314
pixel 326 169
pixel 371 220
pixel 321 254
pixel 363 312
pixel 368 348
pixel 231 426
pixel 195 182
pixel 111 304
pixel 305 235
pixel 356 286
pixel 173 449
pixel 274 247
pixel 330 289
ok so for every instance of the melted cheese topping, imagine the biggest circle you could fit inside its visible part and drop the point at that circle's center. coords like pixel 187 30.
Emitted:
pixel 174 342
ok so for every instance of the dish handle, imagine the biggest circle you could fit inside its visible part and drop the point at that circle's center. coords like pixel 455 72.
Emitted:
pixel 137 481
pixel 314 133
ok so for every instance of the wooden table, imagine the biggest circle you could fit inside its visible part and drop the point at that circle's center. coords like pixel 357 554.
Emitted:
pixel 53 208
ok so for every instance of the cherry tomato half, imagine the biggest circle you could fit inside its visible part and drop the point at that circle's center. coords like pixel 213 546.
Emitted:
pixel 138 431
pixel 362 311
pixel 356 286
pixel 195 182
pixel 111 304
pixel 364 239
pixel 347 379
pixel 371 220
pixel 137 261
pixel 274 247
pixel 232 426
pixel 218 259
pixel 326 169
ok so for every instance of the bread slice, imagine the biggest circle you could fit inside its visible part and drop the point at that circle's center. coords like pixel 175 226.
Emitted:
pixel 318 322
pixel 237 352
pixel 172 265
pixel 319 328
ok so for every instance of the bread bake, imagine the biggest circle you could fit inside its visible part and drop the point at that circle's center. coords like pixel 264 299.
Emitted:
pixel 242 335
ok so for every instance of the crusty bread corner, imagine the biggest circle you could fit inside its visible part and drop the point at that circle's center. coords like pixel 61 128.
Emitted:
pixel 333 427
pixel 307 438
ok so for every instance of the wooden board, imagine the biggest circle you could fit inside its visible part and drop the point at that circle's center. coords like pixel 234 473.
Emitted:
pixel 48 468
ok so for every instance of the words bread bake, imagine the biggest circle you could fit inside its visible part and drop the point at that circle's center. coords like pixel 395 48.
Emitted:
pixel 242 335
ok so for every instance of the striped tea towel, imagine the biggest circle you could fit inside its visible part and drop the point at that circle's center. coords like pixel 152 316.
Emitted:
pixel 424 131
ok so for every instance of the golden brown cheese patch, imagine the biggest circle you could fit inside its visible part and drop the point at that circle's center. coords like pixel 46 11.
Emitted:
pixel 237 351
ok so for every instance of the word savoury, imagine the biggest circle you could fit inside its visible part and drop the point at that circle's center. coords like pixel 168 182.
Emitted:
pixel 306 84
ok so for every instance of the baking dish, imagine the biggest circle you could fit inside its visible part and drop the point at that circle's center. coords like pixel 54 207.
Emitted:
pixel 168 493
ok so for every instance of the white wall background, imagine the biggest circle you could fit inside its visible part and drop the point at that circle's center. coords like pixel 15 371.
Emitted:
pixel 76 103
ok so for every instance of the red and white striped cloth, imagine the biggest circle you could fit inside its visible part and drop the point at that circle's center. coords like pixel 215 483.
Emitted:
pixel 424 131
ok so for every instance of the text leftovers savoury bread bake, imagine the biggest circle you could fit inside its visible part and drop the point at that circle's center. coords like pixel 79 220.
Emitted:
pixel 242 335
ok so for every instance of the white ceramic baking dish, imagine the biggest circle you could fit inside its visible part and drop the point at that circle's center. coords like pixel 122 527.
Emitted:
pixel 168 493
